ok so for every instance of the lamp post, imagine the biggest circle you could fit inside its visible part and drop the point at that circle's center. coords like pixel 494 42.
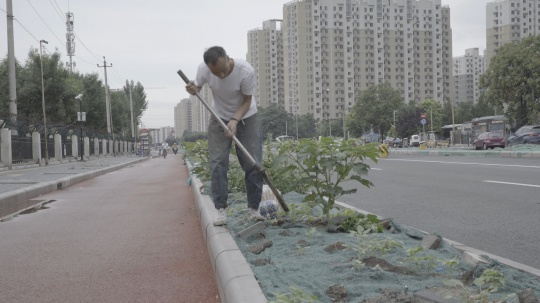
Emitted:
pixel 43 100
pixel 80 117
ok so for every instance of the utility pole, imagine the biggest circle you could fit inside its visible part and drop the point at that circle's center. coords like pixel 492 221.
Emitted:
pixel 43 101
pixel 11 64
pixel 132 125
pixel 108 102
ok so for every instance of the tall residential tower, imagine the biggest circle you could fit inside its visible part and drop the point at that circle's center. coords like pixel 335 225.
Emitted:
pixel 335 48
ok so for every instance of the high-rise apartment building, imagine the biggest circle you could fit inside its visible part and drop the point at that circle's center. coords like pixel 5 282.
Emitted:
pixel 182 117
pixel 509 21
pixel 265 53
pixel 191 115
pixel 335 48
pixel 467 72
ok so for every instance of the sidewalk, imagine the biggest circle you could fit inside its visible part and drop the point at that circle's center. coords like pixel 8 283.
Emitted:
pixel 26 182
pixel 131 235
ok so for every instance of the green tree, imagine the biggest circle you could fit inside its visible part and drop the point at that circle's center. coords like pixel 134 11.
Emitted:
pixel 307 126
pixel 511 81
pixel 434 111
pixel 374 109
pixel 274 119
pixel 408 120
pixel 464 111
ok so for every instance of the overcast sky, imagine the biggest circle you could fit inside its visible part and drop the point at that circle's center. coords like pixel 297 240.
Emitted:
pixel 148 41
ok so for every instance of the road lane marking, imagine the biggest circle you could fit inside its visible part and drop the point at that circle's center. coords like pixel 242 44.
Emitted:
pixel 511 183
pixel 464 163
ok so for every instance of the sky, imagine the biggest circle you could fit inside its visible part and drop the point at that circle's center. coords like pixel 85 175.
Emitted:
pixel 149 41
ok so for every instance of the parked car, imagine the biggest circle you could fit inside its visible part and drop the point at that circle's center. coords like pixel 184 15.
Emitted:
pixel 528 134
pixel 284 138
pixel 393 142
pixel 489 140
pixel 415 140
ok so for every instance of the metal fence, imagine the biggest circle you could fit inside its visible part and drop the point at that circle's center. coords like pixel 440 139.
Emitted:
pixel 21 149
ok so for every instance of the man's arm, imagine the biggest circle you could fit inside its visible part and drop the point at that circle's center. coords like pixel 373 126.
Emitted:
pixel 238 115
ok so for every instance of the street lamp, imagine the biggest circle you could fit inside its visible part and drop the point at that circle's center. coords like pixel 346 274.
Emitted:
pixel 43 100
pixel 80 117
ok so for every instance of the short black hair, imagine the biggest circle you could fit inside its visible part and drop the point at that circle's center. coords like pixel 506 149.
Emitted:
pixel 212 54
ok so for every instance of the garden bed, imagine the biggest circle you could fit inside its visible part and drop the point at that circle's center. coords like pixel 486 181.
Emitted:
pixel 305 260
pixel 320 253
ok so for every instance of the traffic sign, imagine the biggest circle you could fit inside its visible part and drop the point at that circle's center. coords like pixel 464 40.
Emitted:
pixel 81 116
pixel 423 115
pixel 423 121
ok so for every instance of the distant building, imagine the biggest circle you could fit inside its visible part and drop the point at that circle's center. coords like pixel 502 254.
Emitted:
pixel 333 49
pixel 467 72
pixel 191 115
pixel 265 53
pixel 509 21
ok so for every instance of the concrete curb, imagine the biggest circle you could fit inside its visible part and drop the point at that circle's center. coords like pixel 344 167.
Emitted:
pixel 16 201
pixel 234 278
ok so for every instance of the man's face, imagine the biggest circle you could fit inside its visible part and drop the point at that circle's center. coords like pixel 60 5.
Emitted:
pixel 221 68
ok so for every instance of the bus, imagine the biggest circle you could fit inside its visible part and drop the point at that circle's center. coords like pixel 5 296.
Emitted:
pixel 498 124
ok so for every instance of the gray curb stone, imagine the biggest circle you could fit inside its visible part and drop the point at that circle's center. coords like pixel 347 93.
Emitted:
pixel 234 278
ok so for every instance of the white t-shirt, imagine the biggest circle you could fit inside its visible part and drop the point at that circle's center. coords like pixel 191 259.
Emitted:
pixel 228 92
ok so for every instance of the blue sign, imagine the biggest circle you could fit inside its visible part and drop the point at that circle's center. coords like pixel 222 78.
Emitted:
pixel 423 121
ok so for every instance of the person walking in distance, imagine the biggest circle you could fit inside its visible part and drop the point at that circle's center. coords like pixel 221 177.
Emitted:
pixel 233 83
pixel 164 148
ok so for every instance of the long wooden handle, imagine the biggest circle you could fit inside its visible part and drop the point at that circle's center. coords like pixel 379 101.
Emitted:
pixel 240 146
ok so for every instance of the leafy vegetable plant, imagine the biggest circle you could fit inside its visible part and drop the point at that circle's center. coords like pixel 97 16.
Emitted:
pixel 327 163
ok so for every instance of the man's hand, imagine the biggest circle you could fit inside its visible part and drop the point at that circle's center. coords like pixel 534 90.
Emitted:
pixel 191 88
pixel 231 131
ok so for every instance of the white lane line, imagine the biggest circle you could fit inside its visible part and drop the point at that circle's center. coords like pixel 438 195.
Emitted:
pixel 464 163
pixel 373 168
pixel 510 183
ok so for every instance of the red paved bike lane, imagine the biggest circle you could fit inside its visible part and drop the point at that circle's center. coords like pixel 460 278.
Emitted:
pixel 132 235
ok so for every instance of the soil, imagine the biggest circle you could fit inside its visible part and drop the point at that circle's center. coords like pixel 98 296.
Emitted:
pixel 304 254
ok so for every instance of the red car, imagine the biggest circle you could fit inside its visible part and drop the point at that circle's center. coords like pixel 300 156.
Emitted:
pixel 489 140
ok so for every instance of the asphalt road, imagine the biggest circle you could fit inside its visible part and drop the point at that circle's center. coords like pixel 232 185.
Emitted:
pixel 491 204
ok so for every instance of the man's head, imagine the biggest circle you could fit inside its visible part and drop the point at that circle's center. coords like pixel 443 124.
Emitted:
pixel 217 61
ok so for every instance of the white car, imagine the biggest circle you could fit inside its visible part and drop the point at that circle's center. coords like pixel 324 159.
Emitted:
pixel 284 138
pixel 415 140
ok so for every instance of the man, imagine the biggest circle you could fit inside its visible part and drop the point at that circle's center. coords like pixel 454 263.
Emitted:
pixel 233 83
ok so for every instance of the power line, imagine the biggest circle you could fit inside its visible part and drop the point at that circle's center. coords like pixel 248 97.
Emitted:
pixel 45 23
pixel 37 40
pixel 58 11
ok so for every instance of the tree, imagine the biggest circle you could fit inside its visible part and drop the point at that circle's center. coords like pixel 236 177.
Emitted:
pixel 408 120
pixel 374 109
pixel 434 114
pixel 274 119
pixel 511 81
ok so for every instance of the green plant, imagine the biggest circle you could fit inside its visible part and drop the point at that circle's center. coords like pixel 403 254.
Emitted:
pixel 197 153
pixel 420 261
pixel 296 295
pixel 284 176
pixel 370 246
pixel 491 278
pixel 312 232
pixel 355 221
pixel 326 164
pixel 451 265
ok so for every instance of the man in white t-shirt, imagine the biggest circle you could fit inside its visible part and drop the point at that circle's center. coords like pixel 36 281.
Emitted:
pixel 233 83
